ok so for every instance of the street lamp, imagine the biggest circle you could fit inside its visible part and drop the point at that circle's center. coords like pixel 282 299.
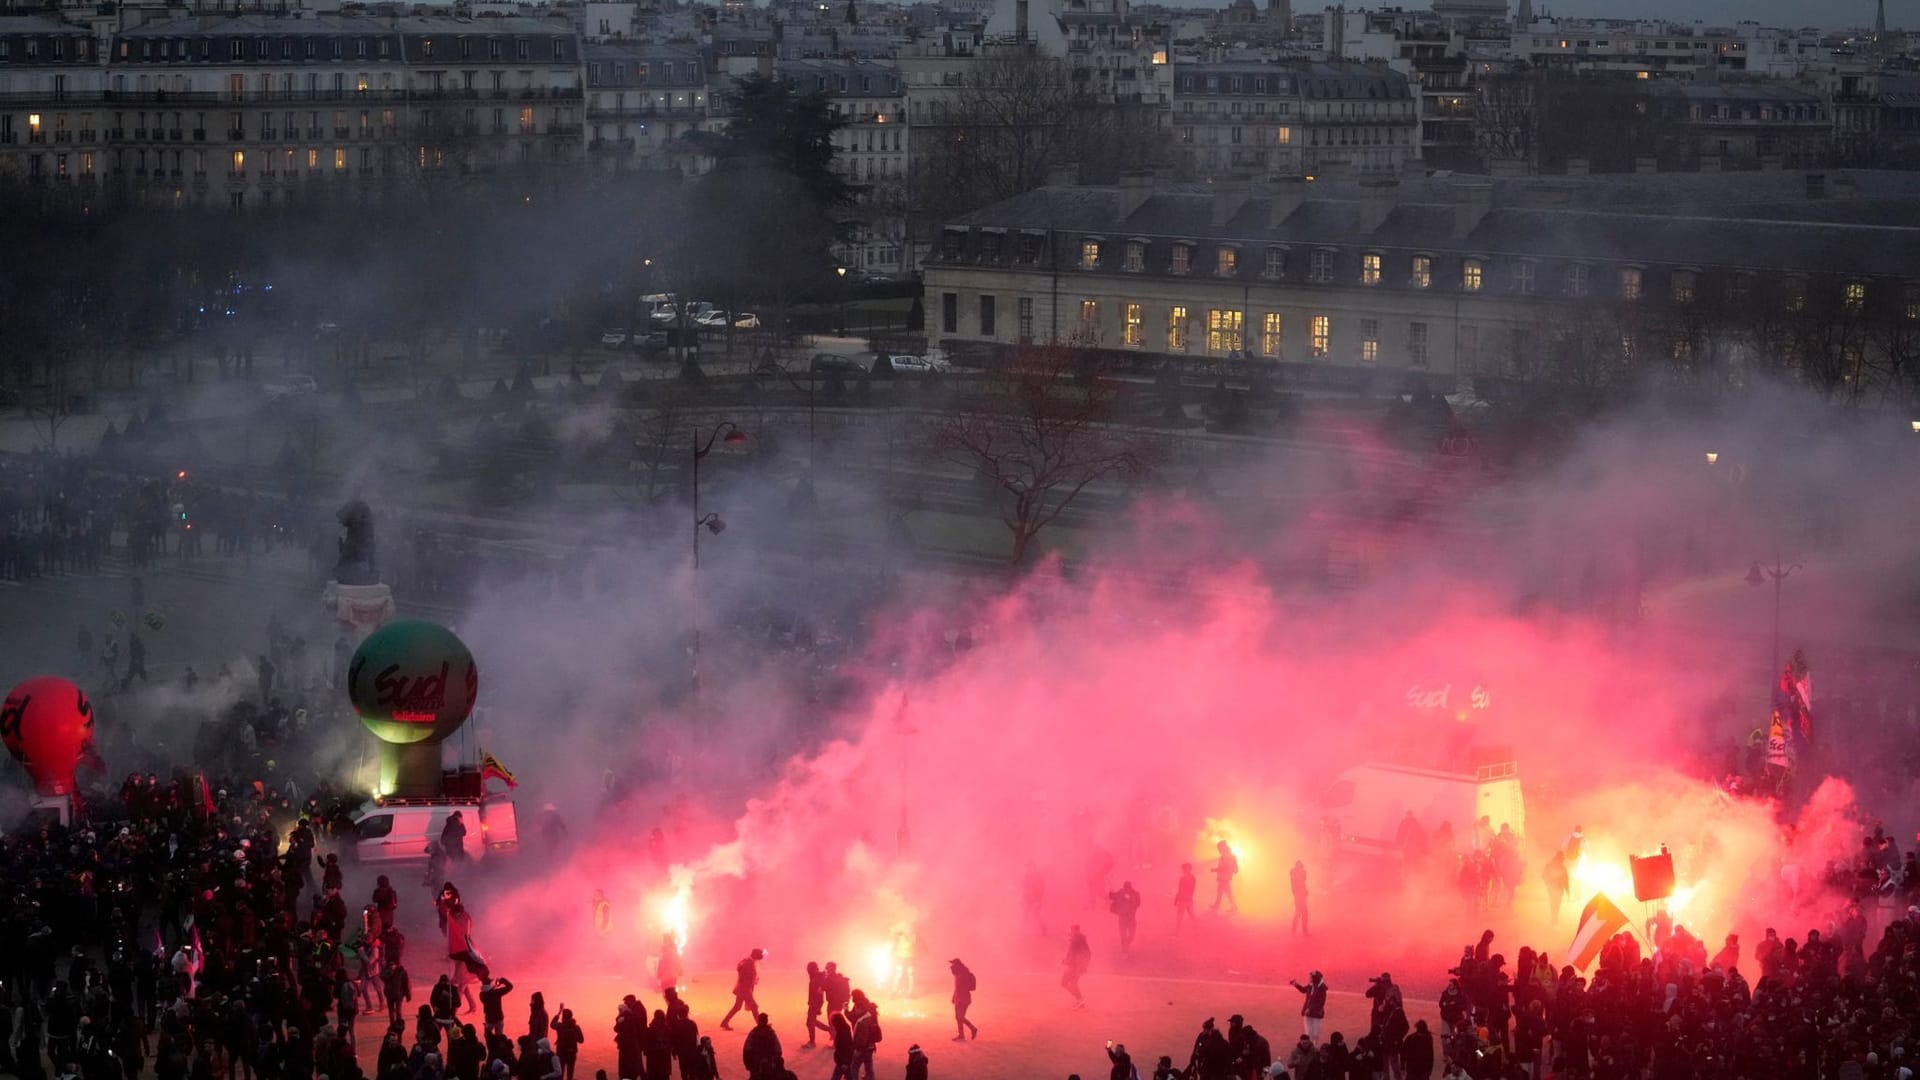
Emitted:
pixel 842 272
pixel 1916 426
pixel 725 431
pixel 1759 575
pixel 1713 457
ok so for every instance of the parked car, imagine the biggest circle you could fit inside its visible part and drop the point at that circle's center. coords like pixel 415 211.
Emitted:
pixel 909 364
pixel 715 319
pixel 613 339
pixel 746 320
pixel 834 363
pixel 289 386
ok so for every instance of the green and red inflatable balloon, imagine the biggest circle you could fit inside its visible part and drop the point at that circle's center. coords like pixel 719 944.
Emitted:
pixel 47 725
pixel 412 681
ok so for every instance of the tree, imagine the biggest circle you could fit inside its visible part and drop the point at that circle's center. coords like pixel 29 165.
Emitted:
pixel 1041 431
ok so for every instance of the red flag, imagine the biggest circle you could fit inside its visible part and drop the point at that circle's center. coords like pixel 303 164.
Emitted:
pixel 206 797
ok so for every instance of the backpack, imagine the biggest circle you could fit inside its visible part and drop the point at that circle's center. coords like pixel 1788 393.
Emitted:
pixel 968 982
pixel 872 1028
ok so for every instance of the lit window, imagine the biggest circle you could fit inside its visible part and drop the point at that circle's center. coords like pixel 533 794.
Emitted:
pixel 239 161
pixel 1134 333
pixel 1322 335
pixel 1270 338
pixel 1576 281
pixel 1470 275
pixel 339 159
pixel 1320 266
pixel 1136 256
pixel 33 122
pixel 1685 285
pixel 1632 280
pixel 1369 339
pixel 1223 330
pixel 1089 318
pixel 1276 262
pixel 313 158
pixel 1283 136
pixel 1182 258
pixel 1177 329
pixel 1369 269
pixel 1912 303
pixel 1523 277
pixel 1856 295
pixel 1227 262
pixel 1422 272
pixel 1089 254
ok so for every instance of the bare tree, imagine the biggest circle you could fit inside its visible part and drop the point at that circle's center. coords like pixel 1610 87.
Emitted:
pixel 1042 430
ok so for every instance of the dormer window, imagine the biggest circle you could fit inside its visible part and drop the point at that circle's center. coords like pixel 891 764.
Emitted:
pixel 1136 256
pixel 1370 268
pixel 1090 254
pixel 1523 277
pixel 1633 282
pixel 1227 262
pixel 1320 266
pixel 1576 282
pixel 1276 263
pixel 1182 258
pixel 1471 272
pixel 1686 285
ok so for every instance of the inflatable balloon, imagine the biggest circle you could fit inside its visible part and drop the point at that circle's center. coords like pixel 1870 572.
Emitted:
pixel 412 682
pixel 47 724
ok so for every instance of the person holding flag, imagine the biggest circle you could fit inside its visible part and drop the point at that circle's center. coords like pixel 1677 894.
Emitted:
pixel 1599 921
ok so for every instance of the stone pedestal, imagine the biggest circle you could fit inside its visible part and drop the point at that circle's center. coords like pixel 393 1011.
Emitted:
pixel 358 609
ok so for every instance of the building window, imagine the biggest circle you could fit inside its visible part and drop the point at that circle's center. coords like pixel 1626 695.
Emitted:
pixel 1090 321
pixel 1136 256
pixel 1369 269
pixel 1856 296
pixel 1422 272
pixel 1470 275
pixel 1911 302
pixel 1796 294
pixel 1470 348
pixel 1089 254
pixel 1276 262
pixel 1320 266
pixel 1322 337
pixel 339 159
pixel 1576 281
pixel 1227 262
pixel 1682 346
pixel 1182 258
pixel 1023 308
pixel 1417 344
pixel 986 316
pixel 239 163
pixel 1283 136
pixel 1223 330
pixel 1177 328
pixel 1523 277
pixel 949 313
pixel 1685 283
pixel 1369 339
pixel 1739 289
pixel 1270 339
pixel 1030 249
pixel 1632 280
pixel 1134 332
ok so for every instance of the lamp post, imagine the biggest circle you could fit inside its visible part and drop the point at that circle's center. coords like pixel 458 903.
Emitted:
pixel 841 271
pixel 1777 573
pixel 726 431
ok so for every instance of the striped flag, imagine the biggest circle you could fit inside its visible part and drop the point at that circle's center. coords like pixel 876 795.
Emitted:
pixel 1599 921
pixel 490 767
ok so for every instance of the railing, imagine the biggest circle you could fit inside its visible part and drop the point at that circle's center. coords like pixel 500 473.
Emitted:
pixel 199 134
pixel 176 135
pixel 237 134
pixel 563 129
pixel 341 133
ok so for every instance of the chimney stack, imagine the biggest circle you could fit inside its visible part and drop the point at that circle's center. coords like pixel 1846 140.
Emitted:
pixel 1228 196
pixel 1289 192
pixel 1020 20
pixel 1476 202
pixel 1377 199
pixel 1135 188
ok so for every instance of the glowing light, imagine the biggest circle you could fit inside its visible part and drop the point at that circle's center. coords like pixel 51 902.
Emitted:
pixel 1712 457
pixel 1591 876
pixel 880 964
pixel 1677 903
pixel 671 911
pixel 1218 829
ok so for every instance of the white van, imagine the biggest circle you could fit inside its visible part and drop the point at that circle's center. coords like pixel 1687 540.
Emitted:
pixel 1367 803
pixel 398 830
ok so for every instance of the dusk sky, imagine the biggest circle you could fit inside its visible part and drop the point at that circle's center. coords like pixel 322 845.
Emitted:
pixel 1771 12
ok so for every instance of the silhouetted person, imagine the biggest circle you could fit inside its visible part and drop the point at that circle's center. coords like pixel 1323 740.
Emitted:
pixel 1183 897
pixel 816 1001
pixel 746 977
pixel 760 1049
pixel 1313 1011
pixel 453 838
pixel 963 986
pixel 1078 959
pixel 1124 902
pixel 843 1055
pixel 1224 870
pixel 1298 878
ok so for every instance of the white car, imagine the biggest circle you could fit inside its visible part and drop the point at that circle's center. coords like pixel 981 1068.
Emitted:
pixel 714 319
pixel 908 364
pixel 289 386
pixel 613 339
pixel 747 321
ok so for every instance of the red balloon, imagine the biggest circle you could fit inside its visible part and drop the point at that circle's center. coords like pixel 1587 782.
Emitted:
pixel 47 724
